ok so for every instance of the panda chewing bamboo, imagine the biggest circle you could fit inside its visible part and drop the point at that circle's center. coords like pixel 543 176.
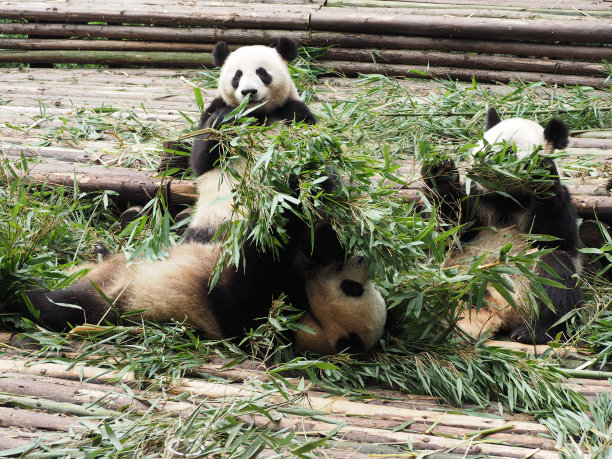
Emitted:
pixel 493 219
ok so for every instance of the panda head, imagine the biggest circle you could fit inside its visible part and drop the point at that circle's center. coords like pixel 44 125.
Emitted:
pixel 514 142
pixel 258 71
pixel 346 306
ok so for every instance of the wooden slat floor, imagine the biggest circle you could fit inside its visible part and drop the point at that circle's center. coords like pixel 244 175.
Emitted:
pixel 32 104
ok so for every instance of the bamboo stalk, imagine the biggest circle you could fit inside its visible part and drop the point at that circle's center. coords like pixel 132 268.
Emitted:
pixel 77 372
pixel 275 17
pixel 64 391
pixel 559 8
pixel 33 44
pixel 172 59
pixel 315 38
pixel 569 31
pixel 481 75
pixel 472 61
pixel 587 374
pixel 56 407
pixel 418 441
pixel 27 419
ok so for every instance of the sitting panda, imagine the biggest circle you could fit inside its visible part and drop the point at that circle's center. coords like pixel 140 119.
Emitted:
pixel 261 73
pixel 495 217
pixel 340 303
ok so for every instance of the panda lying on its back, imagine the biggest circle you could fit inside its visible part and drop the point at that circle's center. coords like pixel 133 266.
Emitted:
pixel 494 219
pixel 341 304
pixel 261 73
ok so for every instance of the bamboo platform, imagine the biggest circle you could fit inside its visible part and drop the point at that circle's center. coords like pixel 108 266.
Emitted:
pixel 44 401
pixel 489 40
pixel 564 42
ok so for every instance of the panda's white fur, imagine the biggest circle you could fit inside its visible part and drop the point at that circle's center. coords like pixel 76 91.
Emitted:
pixel 493 220
pixel 248 60
pixel 525 135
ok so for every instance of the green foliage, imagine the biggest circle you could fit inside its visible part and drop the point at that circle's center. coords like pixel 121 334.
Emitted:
pixel 358 140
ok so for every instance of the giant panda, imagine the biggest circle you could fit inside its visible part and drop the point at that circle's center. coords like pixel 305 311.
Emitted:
pixel 340 303
pixel 261 73
pixel 494 218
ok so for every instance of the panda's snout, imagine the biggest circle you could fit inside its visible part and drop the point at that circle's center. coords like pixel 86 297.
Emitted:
pixel 249 91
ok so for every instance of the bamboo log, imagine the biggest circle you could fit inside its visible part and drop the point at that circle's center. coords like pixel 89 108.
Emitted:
pixel 343 40
pixel 27 419
pixel 268 37
pixel 472 61
pixel 568 31
pixel 481 75
pixel 485 46
pixel 172 59
pixel 418 441
pixel 71 155
pixel 275 17
pixel 563 7
pixel 78 372
pixel 65 391
pixel 32 44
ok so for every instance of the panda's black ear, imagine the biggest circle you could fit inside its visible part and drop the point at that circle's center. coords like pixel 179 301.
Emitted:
pixel 557 133
pixel 287 48
pixel 220 53
pixel 492 118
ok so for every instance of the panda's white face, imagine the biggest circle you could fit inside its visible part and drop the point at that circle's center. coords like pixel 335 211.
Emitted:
pixel 345 305
pixel 260 72
pixel 526 135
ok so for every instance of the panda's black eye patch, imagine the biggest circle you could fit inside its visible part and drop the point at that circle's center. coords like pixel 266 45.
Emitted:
pixel 264 76
pixel 236 79
pixel 351 288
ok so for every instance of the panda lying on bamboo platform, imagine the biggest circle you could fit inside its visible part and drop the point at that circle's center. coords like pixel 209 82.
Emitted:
pixel 494 219
pixel 341 304
pixel 261 73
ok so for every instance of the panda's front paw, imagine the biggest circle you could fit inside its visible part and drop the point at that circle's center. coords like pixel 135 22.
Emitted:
pixel 439 172
pixel 525 335
pixel 550 175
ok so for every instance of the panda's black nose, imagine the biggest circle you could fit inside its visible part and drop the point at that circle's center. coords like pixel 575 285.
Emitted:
pixel 248 91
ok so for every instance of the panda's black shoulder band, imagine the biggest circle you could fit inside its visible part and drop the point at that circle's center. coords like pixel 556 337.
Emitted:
pixel 220 53
pixel 287 48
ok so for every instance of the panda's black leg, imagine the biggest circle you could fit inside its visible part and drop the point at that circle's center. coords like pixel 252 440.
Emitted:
pixel 563 300
pixel 74 305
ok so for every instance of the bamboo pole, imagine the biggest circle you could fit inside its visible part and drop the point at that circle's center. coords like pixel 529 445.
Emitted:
pixel 273 17
pixel 172 59
pixel 568 31
pixel 33 44
pixel 315 38
pixel 417 441
pixel 481 75
pixel 471 61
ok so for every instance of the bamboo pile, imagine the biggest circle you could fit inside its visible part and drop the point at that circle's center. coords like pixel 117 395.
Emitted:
pixel 45 401
pixel 488 40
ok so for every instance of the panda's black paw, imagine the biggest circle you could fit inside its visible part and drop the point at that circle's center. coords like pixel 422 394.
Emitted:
pixel 100 249
pixel 439 172
pixel 550 173
pixel 525 335
pixel 352 344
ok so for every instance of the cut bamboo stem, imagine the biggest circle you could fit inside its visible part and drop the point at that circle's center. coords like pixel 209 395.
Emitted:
pixel 561 30
pixel 463 74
